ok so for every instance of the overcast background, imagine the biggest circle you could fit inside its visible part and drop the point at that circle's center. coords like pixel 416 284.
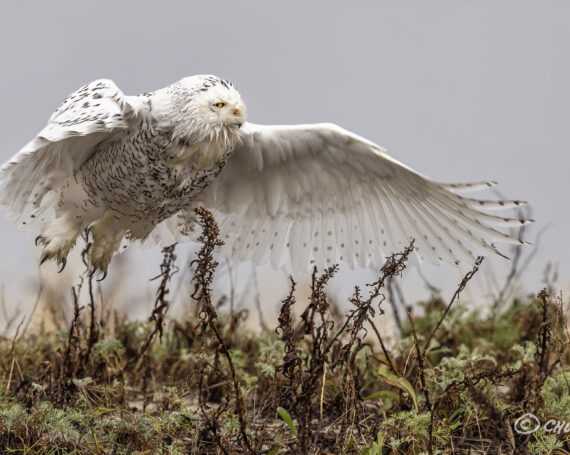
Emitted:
pixel 456 90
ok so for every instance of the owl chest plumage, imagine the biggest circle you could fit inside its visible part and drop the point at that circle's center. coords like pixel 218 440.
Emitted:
pixel 146 174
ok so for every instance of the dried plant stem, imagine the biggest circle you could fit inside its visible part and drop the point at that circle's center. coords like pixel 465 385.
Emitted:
pixel 422 352
pixel 543 335
pixel 323 389
pixel 93 326
pixel 420 355
pixel 425 391
pixel 458 291
pixel 203 277
pixel 383 346
pixel 161 304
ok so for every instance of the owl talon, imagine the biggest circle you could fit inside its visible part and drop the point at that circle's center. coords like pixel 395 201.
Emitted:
pixel 103 277
pixel 92 272
pixel 63 264
pixel 45 257
pixel 39 238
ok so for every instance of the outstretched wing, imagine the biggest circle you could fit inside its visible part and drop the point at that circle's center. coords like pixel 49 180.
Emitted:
pixel 87 117
pixel 318 193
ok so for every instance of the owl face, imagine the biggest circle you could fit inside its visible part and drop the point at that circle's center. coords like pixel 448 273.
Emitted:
pixel 224 106
pixel 217 104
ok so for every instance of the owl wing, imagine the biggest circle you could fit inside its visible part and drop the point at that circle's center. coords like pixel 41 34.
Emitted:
pixel 88 116
pixel 321 194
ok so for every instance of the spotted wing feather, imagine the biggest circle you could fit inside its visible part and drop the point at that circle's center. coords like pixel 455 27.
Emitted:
pixel 88 116
pixel 321 194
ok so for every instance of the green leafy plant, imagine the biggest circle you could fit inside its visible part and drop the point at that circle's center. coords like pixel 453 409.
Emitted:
pixel 286 417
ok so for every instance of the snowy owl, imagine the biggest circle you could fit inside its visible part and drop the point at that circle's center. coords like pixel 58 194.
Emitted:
pixel 131 168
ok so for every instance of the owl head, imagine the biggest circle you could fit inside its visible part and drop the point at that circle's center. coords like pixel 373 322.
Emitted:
pixel 214 103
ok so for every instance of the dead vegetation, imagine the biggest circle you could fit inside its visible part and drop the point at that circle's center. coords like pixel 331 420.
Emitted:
pixel 320 383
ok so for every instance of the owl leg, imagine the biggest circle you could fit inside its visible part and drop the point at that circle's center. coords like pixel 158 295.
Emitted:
pixel 108 232
pixel 58 238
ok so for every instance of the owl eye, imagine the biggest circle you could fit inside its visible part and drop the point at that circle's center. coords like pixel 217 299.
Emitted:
pixel 220 105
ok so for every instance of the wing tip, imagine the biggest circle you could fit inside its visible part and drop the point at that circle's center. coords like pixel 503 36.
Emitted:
pixel 469 186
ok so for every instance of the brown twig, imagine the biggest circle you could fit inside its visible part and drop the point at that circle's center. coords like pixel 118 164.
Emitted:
pixel 420 356
pixel 543 335
pixel 161 304
pixel 425 391
pixel 203 277
pixel 458 291
pixel 383 346
pixel 394 266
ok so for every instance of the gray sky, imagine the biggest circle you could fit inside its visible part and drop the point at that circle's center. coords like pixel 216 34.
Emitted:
pixel 456 90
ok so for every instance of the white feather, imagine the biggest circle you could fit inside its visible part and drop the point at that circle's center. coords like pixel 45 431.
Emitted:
pixel 65 143
pixel 321 178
